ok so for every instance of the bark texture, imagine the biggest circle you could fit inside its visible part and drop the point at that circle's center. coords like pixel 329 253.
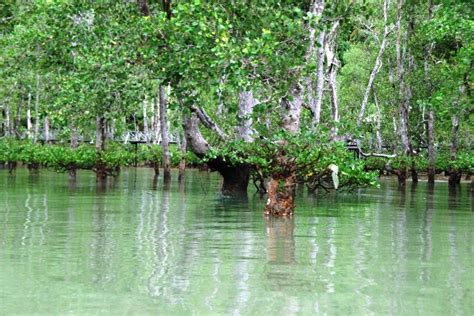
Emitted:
pixel 244 128
pixel 281 188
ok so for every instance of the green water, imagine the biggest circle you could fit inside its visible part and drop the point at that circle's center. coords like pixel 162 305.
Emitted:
pixel 136 248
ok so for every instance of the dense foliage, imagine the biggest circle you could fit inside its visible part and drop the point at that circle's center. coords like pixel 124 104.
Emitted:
pixel 403 67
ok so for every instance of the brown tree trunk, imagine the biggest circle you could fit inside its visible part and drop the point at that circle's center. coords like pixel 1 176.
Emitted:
pixel 281 195
pixel 281 188
pixel 164 136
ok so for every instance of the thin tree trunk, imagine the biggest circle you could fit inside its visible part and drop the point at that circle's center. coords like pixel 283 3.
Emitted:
pixel 29 126
pixel 164 136
pixel 431 152
pixel 145 120
pixel 320 78
pixel 182 162
pixel 156 122
pixel 8 125
pixel 37 99
pixel 431 118
pixel 454 174
pixel 46 130
pixel 378 124
pixel 333 65
pixel 17 122
pixel 74 145
pixel 100 140
pixel 377 65
pixel 403 128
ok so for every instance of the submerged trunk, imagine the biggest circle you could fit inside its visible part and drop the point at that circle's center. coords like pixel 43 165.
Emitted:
pixel 236 178
pixel 282 185
pixel 431 152
pixel 281 195
pixel 164 136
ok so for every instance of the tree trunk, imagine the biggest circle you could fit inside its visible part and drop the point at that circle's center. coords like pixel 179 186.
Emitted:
pixel 333 65
pixel 46 130
pixel 29 126
pixel 37 99
pixel 100 140
pixel 74 145
pixel 156 122
pixel 244 128
pixel 281 200
pixel 314 94
pixel 7 123
pixel 377 65
pixel 17 122
pixel 145 120
pixel 454 174
pixel 431 117
pixel 320 79
pixel 164 136
pixel 378 124
pixel 182 161
pixel 431 152
pixel 236 178
pixel 403 94
pixel 282 185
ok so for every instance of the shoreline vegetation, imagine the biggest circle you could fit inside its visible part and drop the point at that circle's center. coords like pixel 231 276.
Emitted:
pixel 272 94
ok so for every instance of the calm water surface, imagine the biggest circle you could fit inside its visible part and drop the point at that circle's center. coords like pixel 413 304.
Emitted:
pixel 136 248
